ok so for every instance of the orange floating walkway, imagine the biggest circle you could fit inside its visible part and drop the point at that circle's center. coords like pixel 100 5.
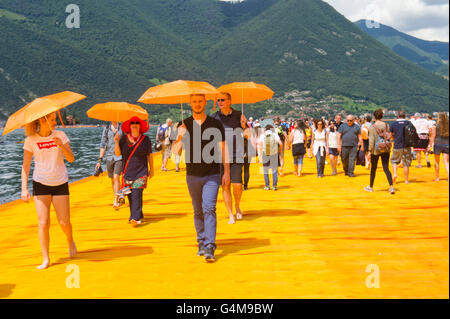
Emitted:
pixel 314 238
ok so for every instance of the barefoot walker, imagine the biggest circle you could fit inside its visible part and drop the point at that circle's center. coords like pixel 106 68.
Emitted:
pixel 50 179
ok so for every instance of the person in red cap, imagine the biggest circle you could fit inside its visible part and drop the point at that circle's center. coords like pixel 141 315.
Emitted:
pixel 137 161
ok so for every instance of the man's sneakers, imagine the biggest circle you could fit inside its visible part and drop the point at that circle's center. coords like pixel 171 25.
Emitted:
pixel 209 253
pixel 135 223
pixel 206 251
pixel 201 249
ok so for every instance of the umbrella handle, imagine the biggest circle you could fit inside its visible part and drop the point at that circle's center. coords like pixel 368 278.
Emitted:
pixel 60 118
pixel 242 100
pixel 181 104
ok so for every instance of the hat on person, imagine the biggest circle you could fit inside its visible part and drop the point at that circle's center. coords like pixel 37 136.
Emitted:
pixel 126 125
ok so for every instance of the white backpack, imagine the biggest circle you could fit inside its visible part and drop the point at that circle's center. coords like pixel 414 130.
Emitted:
pixel 270 146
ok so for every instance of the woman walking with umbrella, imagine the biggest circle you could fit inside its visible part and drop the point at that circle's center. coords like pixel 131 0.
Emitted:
pixel 49 148
pixel 136 151
pixel 50 179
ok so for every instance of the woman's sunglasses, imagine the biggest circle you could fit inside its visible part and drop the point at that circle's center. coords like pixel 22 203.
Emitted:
pixel 221 100
pixel 135 123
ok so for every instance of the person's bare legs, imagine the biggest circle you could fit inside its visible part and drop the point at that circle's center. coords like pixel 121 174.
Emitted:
pixel 166 159
pixel 228 199
pixel 62 209
pixel 394 175
pixel 333 163
pixel 178 159
pixel 436 167
pixel 446 159
pixel 281 157
pixel 115 181
pixel 406 172
pixel 42 203
pixel 419 158
pixel 237 192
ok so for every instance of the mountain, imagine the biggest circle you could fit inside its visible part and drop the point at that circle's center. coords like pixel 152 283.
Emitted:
pixel 431 55
pixel 125 46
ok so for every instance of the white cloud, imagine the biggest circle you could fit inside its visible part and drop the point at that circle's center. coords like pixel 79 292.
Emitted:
pixel 426 19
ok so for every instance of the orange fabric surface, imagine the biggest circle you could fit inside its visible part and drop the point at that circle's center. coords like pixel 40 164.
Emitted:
pixel 314 238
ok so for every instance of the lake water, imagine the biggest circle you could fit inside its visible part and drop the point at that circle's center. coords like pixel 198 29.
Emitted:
pixel 85 146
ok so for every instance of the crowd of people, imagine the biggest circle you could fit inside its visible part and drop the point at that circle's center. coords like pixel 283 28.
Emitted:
pixel 218 152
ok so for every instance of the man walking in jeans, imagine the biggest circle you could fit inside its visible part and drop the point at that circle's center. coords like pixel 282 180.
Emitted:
pixel 205 150
pixel 349 137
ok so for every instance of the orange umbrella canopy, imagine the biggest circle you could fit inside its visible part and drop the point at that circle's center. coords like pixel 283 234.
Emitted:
pixel 247 92
pixel 116 112
pixel 177 92
pixel 41 107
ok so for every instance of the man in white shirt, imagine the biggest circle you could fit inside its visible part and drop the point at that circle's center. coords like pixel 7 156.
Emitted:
pixel 162 137
pixel 423 129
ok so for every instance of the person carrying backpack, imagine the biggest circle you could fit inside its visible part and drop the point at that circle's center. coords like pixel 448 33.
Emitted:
pixel 269 147
pixel 282 134
pixel 405 136
pixel 163 139
pixel 379 146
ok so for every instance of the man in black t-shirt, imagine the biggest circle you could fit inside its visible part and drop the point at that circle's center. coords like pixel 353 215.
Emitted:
pixel 205 149
pixel 400 153
pixel 234 123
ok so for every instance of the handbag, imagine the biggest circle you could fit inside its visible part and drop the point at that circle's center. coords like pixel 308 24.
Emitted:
pixel 126 188
pixel 383 143
pixel 361 157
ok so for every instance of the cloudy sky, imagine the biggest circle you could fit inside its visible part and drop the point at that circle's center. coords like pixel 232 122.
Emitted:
pixel 425 19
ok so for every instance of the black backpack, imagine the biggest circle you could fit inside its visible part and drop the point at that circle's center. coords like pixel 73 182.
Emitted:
pixel 410 136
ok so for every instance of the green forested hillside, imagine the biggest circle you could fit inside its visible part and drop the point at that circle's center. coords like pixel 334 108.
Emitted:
pixel 431 55
pixel 125 46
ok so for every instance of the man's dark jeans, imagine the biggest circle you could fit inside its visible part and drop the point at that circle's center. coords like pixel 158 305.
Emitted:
pixel 348 156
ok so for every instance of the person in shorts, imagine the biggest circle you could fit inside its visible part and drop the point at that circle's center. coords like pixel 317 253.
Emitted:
pixel 234 123
pixel 439 142
pixel 423 128
pixel 113 162
pixel 49 148
pixel 332 145
pixel 400 152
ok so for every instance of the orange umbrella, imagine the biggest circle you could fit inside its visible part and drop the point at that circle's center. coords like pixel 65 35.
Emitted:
pixel 41 107
pixel 247 92
pixel 178 92
pixel 116 112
